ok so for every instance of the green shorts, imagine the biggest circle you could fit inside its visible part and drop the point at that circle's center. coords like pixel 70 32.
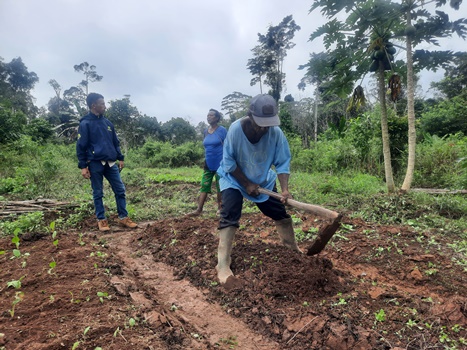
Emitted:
pixel 206 181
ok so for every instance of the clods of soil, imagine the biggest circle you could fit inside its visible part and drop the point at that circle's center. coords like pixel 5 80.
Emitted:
pixel 155 287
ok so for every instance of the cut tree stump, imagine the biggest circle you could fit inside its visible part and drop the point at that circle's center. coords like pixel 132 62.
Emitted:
pixel 8 208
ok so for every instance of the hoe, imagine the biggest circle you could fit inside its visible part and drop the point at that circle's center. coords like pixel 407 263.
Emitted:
pixel 325 232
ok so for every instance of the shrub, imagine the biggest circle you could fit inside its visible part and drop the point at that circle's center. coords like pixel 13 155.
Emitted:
pixel 163 154
pixel 439 162
pixel 448 117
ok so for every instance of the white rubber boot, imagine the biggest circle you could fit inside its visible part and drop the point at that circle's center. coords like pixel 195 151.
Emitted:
pixel 226 236
pixel 287 234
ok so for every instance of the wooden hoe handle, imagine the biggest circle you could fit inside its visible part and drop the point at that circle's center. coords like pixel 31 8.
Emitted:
pixel 314 209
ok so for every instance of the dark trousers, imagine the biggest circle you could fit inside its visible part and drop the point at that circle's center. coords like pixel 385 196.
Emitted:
pixel 98 172
pixel 232 202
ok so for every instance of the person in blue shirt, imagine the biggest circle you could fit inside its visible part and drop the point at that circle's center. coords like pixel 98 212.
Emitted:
pixel 213 143
pixel 253 145
pixel 98 150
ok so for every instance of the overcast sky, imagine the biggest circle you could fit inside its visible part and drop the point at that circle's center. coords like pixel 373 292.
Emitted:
pixel 175 58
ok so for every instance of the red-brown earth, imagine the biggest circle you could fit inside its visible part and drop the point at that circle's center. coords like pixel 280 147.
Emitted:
pixel 155 287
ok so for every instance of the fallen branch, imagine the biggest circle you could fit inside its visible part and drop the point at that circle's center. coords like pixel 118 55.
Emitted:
pixel 8 208
pixel 438 191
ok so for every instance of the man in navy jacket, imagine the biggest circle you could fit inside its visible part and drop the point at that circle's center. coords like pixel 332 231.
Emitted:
pixel 98 150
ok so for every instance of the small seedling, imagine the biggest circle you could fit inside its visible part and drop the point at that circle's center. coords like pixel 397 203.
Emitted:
pixel 117 331
pixel 86 330
pixel 15 284
pixel 16 253
pixel 340 302
pixel 103 295
pixel 132 322
pixel 15 239
pixel 73 300
pixel 24 262
pixel 80 239
pixel 380 316
pixel 54 233
pixel 18 297
pixel 52 266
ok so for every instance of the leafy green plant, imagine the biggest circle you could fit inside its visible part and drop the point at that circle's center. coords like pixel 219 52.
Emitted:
pixel 131 322
pixel 80 239
pixel 51 228
pixel 23 223
pixel 341 301
pixel 15 283
pixel 380 316
pixel 52 266
pixel 15 240
pixel 103 295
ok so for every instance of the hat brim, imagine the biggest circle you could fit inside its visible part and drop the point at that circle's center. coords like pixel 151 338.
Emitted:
pixel 267 121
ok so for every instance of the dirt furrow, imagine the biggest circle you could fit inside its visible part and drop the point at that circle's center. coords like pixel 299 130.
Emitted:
pixel 186 303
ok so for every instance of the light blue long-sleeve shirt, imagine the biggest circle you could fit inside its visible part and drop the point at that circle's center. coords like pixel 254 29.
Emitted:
pixel 255 160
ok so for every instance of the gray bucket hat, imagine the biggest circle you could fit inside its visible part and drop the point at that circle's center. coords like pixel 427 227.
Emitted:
pixel 264 110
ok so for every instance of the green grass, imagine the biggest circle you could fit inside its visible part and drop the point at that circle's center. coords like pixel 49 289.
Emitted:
pixel 30 171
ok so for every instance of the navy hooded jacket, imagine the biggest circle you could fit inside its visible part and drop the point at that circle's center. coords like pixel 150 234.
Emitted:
pixel 97 140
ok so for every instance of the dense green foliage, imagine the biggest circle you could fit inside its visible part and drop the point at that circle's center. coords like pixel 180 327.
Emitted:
pixel 156 154
pixel 343 173
pixel 447 117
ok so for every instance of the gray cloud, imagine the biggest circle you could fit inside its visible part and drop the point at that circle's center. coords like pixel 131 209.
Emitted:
pixel 175 58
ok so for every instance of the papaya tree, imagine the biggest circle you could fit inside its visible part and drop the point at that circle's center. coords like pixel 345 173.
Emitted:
pixel 424 27
pixel 363 37
pixel 370 31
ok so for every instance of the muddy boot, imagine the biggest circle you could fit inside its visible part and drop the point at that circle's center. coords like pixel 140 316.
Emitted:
pixel 226 236
pixel 287 234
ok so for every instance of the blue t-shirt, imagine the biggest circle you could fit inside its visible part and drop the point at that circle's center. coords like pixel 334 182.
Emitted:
pixel 213 144
pixel 255 160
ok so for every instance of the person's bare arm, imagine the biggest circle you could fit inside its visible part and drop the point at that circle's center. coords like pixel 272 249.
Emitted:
pixel 250 187
pixel 284 182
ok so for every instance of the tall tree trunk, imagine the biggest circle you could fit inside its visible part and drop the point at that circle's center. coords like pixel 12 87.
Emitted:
pixel 410 113
pixel 385 130
pixel 315 136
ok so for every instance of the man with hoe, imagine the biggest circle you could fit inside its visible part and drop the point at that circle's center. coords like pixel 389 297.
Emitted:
pixel 253 144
